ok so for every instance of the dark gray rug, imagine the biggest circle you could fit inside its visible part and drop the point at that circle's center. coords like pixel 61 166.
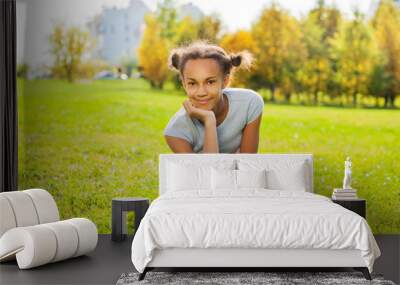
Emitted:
pixel 228 278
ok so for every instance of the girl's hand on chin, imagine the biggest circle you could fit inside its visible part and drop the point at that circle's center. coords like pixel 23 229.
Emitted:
pixel 200 114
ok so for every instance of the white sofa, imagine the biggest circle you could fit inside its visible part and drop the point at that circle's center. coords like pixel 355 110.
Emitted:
pixel 31 231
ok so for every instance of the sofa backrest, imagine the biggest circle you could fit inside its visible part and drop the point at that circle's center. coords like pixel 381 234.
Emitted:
pixel 268 160
pixel 26 208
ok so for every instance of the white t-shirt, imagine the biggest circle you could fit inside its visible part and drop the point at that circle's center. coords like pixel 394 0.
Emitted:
pixel 245 105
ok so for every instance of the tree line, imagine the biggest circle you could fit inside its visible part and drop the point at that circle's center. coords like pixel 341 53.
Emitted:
pixel 322 58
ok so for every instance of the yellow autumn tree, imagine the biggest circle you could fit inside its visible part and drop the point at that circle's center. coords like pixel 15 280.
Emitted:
pixel 280 50
pixel 153 54
pixel 186 31
pixel 236 42
pixel 386 23
pixel 68 46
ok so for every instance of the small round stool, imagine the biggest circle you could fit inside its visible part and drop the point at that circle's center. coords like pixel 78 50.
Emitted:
pixel 119 208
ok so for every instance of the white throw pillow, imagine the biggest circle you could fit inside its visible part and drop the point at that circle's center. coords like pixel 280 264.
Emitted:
pixel 223 179
pixel 293 179
pixel 227 179
pixel 251 178
pixel 189 175
pixel 281 174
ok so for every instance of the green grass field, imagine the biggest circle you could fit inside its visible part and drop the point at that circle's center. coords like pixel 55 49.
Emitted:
pixel 88 143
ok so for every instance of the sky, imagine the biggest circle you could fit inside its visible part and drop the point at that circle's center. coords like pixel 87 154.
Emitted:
pixel 241 14
pixel 234 14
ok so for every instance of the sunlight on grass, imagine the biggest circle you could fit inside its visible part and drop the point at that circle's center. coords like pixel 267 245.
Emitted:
pixel 89 143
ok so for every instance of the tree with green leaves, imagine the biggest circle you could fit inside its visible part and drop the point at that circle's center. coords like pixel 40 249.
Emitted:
pixel 386 23
pixel 68 46
pixel 186 31
pixel 166 16
pixel 209 28
pixel 318 28
pixel 327 18
pixel 379 82
pixel 314 74
pixel 355 52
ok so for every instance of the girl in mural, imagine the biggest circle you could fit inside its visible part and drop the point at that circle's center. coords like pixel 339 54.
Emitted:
pixel 213 118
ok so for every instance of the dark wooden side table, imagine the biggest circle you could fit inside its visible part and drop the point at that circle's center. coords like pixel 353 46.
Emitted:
pixel 119 208
pixel 356 205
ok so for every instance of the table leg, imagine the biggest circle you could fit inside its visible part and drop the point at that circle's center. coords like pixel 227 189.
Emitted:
pixel 140 211
pixel 116 222
pixel 124 224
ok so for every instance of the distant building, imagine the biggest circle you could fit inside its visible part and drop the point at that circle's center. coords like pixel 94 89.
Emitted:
pixel 119 30
pixel 191 10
